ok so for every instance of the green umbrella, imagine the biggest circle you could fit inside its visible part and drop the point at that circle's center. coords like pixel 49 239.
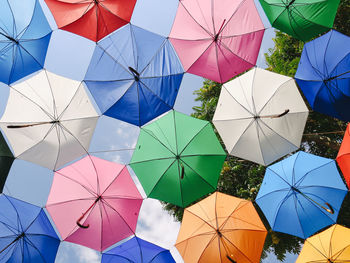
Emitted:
pixel 302 19
pixel 178 159
pixel 6 160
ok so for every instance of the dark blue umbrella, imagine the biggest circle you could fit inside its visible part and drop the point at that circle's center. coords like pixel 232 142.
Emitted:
pixel 301 194
pixel 137 250
pixel 24 38
pixel 134 75
pixel 26 234
pixel 324 74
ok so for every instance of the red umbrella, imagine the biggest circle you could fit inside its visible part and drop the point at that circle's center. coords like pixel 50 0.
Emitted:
pixel 93 19
pixel 94 203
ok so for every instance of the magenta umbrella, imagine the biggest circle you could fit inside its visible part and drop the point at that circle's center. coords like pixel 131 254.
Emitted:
pixel 94 203
pixel 217 39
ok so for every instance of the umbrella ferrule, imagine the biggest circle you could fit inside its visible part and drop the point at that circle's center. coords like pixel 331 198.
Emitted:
pixel 296 190
pixel 135 73
pixel 290 3
pixel 96 2
pixel 19 237
pixel 230 259
pixel 219 233
pixel 98 199
pixel 10 38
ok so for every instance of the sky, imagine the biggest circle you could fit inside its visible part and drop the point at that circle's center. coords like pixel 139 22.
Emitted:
pixel 69 55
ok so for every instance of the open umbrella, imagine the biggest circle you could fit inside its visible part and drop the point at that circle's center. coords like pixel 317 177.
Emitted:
pixel 217 39
pixel 299 18
pixel 49 120
pixel 323 74
pixel 221 228
pixel 6 160
pixel 330 246
pixel 301 194
pixel 134 75
pixel 93 19
pixel 26 234
pixel 94 203
pixel 24 38
pixel 178 159
pixel 137 250
pixel 260 116
pixel 343 157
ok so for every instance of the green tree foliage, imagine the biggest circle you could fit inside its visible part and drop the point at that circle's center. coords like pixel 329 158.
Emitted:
pixel 322 136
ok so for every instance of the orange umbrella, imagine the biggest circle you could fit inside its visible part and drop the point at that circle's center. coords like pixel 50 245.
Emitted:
pixel 343 158
pixel 221 228
pixel 329 246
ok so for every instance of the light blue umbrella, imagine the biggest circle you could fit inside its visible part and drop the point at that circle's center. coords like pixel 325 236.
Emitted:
pixel 301 194
pixel 134 75
pixel 24 38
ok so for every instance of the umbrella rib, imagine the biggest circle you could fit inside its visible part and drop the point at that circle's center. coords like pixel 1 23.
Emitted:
pixel 319 73
pixel 52 94
pixel 195 135
pixel 151 160
pixel 115 178
pixel 339 253
pixel 201 218
pixel 239 102
pixel 71 200
pixel 288 195
pixel 32 244
pixel 308 172
pixel 58 133
pixel 134 48
pixel 156 138
pixel 83 14
pixel 205 248
pixel 248 126
pixel 106 8
pixel 101 222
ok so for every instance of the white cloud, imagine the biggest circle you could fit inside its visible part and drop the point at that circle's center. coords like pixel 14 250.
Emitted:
pixel 69 252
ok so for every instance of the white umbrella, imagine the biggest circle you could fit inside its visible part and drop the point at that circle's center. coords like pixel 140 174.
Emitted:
pixel 49 120
pixel 260 116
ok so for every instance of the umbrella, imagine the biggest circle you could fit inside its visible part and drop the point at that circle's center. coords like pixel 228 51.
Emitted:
pixel 260 116
pixel 343 156
pixel 221 228
pixel 24 38
pixel 301 194
pixel 49 120
pixel 217 39
pixel 134 75
pixel 26 234
pixel 93 19
pixel 178 159
pixel 6 160
pixel 330 246
pixel 94 203
pixel 301 19
pixel 323 74
pixel 137 250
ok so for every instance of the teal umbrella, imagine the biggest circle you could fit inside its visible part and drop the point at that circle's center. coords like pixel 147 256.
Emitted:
pixel 178 159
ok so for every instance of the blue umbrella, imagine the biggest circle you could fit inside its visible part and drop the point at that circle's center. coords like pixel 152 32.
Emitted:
pixel 137 250
pixel 301 194
pixel 26 234
pixel 324 74
pixel 134 75
pixel 24 38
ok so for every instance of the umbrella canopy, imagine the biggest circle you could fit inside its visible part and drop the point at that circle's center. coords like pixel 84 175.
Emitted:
pixel 6 160
pixel 323 74
pixel 343 157
pixel 134 75
pixel 301 194
pixel 217 39
pixel 137 250
pixel 178 159
pixel 260 116
pixel 24 38
pixel 330 246
pixel 49 120
pixel 221 228
pixel 94 203
pixel 299 18
pixel 93 19
pixel 26 234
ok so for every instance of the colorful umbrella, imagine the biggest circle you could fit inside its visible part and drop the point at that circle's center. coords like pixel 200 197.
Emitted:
pixel 344 155
pixel 323 74
pixel 6 160
pixel 221 228
pixel 301 194
pixel 299 18
pixel 24 38
pixel 260 116
pixel 330 246
pixel 134 75
pixel 49 120
pixel 178 159
pixel 26 234
pixel 217 39
pixel 94 203
pixel 137 250
pixel 93 19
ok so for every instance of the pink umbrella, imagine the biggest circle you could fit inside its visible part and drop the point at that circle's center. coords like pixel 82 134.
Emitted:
pixel 94 203
pixel 217 39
